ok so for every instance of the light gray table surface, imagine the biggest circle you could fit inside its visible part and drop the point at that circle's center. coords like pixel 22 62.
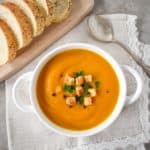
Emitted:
pixel 137 7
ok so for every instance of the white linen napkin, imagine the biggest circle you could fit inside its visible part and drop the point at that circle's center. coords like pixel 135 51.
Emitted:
pixel 25 132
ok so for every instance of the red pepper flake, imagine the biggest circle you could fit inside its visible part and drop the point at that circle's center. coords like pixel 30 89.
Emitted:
pixel 70 106
pixel 54 94
pixel 84 107
pixel 65 96
pixel 107 91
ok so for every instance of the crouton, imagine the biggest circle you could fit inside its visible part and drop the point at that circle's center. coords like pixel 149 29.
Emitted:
pixel 88 78
pixel 79 90
pixel 79 80
pixel 70 101
pixel 92 92
pixel 87 101
pixel 69 80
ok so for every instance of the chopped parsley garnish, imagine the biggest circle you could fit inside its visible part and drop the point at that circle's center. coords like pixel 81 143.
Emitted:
pixel 86 93
pixel 80 73
pixel 86 86
pixel 97 84
pixel 69 88
pixel 80 99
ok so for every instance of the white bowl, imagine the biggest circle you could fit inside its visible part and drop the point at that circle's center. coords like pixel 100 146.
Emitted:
pixel 33 76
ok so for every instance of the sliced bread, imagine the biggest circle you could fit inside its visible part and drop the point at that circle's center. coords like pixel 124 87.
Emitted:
pixel 24 22
pixel 8 43
pixel 62 10
pixel 35 13
pixel 14 23
pixel 48 7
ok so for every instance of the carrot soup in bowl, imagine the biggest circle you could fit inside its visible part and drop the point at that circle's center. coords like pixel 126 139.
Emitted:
pixel 72 65
pixel 78 90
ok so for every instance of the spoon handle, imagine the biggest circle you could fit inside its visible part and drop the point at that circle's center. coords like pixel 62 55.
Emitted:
pixel 137 60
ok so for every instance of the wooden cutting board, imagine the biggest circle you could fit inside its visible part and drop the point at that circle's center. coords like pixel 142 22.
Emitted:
pixel 80 9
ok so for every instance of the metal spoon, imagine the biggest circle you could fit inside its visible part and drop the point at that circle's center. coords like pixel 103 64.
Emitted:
pixel 101 29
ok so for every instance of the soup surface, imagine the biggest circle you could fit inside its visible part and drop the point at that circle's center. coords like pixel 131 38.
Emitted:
pixel 77 117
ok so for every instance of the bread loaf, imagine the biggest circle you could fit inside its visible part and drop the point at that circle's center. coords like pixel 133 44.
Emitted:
pixel 21 20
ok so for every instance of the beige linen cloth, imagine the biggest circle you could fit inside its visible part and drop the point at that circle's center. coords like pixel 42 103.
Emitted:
pixel 129 131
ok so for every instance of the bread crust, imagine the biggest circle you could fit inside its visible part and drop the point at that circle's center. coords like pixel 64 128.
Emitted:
pixel 24 22
pixel 39 15
pixel 11 40
pixel 51 8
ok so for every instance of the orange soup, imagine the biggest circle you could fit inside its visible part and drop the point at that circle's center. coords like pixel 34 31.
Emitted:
pixel 83 110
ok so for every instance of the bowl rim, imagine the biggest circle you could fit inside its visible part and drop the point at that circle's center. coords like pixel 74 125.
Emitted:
pixel 112 117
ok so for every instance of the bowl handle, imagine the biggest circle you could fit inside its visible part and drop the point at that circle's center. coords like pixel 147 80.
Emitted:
pixel 134 97
pixel 20 92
